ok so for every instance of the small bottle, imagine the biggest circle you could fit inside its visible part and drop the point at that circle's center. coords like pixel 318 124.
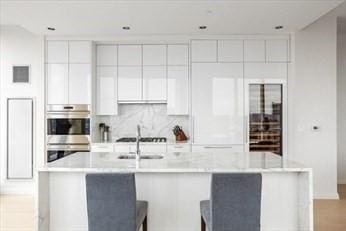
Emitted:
pixel 105 135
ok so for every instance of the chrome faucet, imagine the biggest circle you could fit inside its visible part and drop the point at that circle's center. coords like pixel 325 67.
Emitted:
pixel 138 138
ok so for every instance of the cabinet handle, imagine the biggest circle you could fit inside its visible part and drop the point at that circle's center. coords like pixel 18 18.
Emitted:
pixel 218 147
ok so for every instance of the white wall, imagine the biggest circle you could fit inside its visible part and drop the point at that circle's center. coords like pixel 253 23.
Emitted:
pixel 18 46
pixel 313 102
pixel 341 82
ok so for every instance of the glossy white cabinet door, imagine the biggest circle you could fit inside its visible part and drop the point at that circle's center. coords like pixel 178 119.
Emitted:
pixel 57 52
pixel 129 55
pixel 129 83
pixel 218 149
pixel 57 83
pixel 79 88
pixel 154 83
pixel 178 55
pixel 107 103
pixel 80 52
pixel 217 103
pixel 254 51
pixel 277 50
pixel 178 90
pixel 204 50
pixel 106 55
pixel 230 51
pixel 262 71
pixel 154 55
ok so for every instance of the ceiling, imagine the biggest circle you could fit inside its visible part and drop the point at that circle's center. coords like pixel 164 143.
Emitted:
pixel 144 17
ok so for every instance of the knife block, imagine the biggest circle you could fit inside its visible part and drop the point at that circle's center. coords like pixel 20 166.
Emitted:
pixel 180 136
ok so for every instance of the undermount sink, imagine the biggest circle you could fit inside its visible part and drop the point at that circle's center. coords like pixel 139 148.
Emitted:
pixel 147 157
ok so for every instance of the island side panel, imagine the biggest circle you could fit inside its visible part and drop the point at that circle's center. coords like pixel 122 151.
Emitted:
pixel 174 200
pixel 42 202
pixel 305 201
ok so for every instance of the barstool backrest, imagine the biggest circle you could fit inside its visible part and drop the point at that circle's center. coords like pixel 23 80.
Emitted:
pixel 236 202
pixel 111 202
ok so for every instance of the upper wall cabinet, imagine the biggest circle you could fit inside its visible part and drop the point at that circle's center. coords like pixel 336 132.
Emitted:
pixel 69 72
pixel 277 50
pixel 129 83
pixel 57 52
pixel 130 55
pixel 204 51
pixel 155 83
pixel 154 55
pixel 106 76
pixel 177 55
pixel 178 90
pixel 230 51
pixel 106 55
pixel 80 52
pixel 254 51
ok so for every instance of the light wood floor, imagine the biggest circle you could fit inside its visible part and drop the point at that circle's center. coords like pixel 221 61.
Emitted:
pixel 17 213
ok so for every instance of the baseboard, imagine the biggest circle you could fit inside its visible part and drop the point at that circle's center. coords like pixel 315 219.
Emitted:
pixel 331 196
pixel 16 190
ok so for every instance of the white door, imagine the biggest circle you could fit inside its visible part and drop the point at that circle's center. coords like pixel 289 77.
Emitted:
pixel 79 88
pixel 129 83
pixel 20 138
pixel 80 52
pixel 154 83
pixel 57 52
pixel 177 90
pixel 57 83
pixel 106 103
pixel 217 103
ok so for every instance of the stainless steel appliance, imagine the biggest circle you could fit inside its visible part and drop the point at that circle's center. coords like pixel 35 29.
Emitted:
pixel 68 130
pixel 55 152
pixel 68 124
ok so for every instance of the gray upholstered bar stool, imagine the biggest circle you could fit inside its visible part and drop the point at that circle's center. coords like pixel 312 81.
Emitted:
pixel 235 203
pixel 112 204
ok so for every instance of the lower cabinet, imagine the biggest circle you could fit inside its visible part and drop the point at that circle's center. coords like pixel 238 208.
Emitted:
pixel 178 148
pixel 218 149
pixel 102 147
pixel 150 148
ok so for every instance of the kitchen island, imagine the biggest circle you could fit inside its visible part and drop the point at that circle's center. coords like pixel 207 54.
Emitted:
pixel 174 186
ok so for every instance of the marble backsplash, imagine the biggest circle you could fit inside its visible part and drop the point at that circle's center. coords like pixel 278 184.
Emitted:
pixel 152 118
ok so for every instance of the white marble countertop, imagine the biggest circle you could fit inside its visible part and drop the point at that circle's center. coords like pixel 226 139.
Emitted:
pixel 175 163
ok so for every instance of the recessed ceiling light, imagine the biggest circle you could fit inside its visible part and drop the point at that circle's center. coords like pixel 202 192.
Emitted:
pixel 126 28
pixel 51 28
pixel 202 27
pixel 279 27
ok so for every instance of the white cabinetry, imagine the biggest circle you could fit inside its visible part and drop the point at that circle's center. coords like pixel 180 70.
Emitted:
pixel 57 52
pixel 79 87
pixel 155 83
pixel 57 83
pixel 129 83
pixel 178 54
pixel 178 80
pixel 130 55
pixel 265 71
pixel 154 55
pixel 178 148
pixel 106 84
pixel 80 52
pixel 204 50
pixel 276 50
pixel 178 90
pixel 254 51
pixel 69 72
pixel 218 149
pixel 230 51
pixel 217 103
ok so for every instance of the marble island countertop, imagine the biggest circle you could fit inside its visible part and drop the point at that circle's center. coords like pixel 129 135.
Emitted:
pixel 175 163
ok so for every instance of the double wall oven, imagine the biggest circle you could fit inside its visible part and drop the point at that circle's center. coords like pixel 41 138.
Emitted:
pixel 68 130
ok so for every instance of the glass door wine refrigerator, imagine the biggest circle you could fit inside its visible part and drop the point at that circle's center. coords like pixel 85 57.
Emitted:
pixel 265 117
